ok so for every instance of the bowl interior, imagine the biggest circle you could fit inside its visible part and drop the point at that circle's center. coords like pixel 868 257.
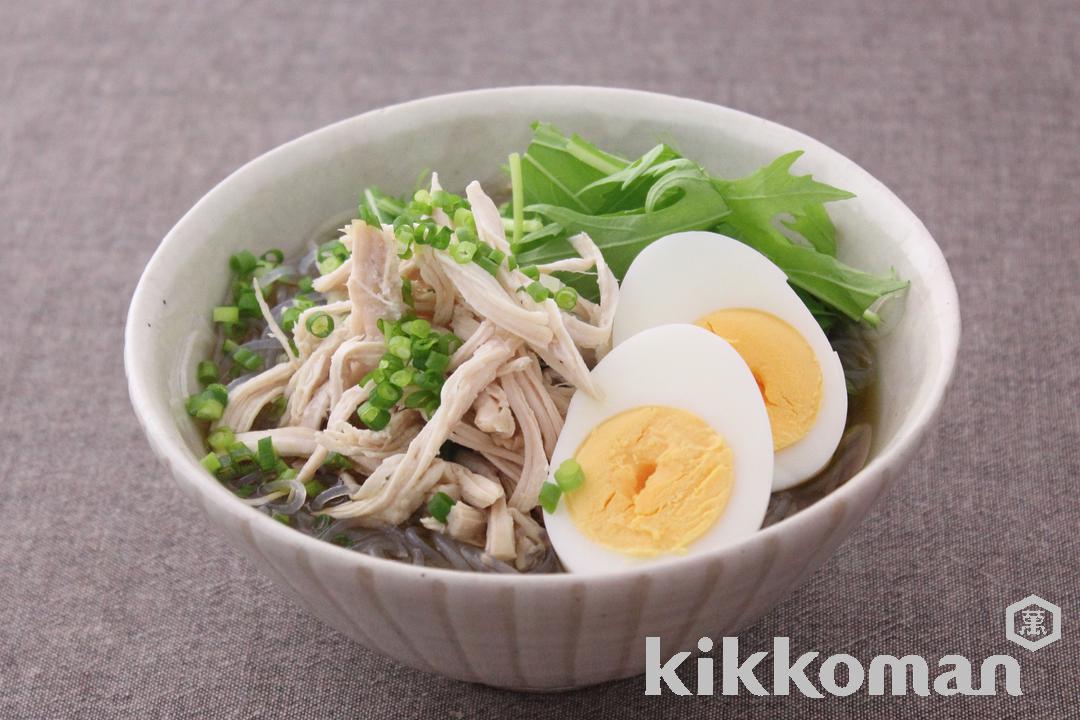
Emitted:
pixel 283 198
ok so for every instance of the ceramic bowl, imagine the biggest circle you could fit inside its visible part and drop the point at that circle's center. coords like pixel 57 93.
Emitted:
pixel 526 632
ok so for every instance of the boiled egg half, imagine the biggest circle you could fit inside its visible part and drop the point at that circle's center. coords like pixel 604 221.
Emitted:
pixel 676 452
pixel 736 293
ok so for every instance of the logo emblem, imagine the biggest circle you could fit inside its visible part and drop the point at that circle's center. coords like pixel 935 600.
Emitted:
pixel 1033 623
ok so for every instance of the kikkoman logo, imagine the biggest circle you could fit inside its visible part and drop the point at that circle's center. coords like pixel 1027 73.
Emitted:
pixel 1032 622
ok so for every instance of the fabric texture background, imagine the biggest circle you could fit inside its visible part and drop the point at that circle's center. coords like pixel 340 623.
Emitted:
pixel 117 601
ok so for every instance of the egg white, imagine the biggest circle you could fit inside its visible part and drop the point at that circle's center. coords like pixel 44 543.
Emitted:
pixel 689 368
pixel 681 278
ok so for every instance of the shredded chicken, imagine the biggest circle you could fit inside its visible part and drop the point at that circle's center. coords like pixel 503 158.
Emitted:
pixel 502 404
pixel 374 281
pixel 248 400
pixel 492 412
pixel 288 441
pixel 466 524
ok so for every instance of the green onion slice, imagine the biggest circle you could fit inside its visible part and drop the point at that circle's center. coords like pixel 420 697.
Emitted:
pixel 569 475
pixel 265 454
pixel 549 497
pixel 566 298
pixel 320 324
pixel 439 506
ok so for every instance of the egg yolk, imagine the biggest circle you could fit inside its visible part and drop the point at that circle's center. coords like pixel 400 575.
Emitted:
pixel 656 478
pixel 784 365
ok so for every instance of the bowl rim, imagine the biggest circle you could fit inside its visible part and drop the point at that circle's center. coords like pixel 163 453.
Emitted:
pixel 185 466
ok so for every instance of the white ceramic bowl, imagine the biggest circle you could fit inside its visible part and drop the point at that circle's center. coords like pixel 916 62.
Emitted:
pixel 528 632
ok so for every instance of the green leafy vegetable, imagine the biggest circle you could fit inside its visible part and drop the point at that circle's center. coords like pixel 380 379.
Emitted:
pixel 621 236
pixel 575 187
pixel 815 225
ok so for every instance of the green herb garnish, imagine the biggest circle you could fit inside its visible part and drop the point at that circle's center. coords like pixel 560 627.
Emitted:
pixel 623 205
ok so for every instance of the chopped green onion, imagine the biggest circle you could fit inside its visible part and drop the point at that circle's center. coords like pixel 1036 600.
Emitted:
pixel 375 376
pixel 240 453
pixel 537 291
pixel 221 439
pixel 320 324
pixel 463 217
pixel 274 256
pixel 245 490
pixel 419 328
pixel 449 343
pixel 227 471
pixel 531 271
pixel 429 380
pixel 226 314
pixel 205 407
pixel 386 395
pixel 465 235
pixel 549 497
pixel 402 378
pixel 569 475
pixel 419 399
pixel 289 318
pixel 511 262
pixel 218 391
pixel 518 195
pixel 441 239
pixel 229 347
pixel 313 488
pixel 329 264
pixel 488 265
pixel 373 416
pixel 463 252
pixel 247 359
pixel 406 292
pixel 444 200
pixel 266 455
pixel 388 328
pixel 439 506
pixel 566 298
pixel 424 345
pixel 422 197
pixel 282 518
pixel 391 363
pixel 436 362
pixel 248 305
pixel 207 372
pixel 242 262
pixel 336 248
pixel 211 463
pixel 305 285
pixel 337 461
pixel 496 256
pixel 400 346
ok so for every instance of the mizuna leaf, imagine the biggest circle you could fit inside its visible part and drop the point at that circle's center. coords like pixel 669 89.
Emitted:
pixel 621 237
pixel 816 227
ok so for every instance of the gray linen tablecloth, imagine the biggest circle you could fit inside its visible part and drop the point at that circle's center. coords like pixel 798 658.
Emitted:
pixel 117 601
